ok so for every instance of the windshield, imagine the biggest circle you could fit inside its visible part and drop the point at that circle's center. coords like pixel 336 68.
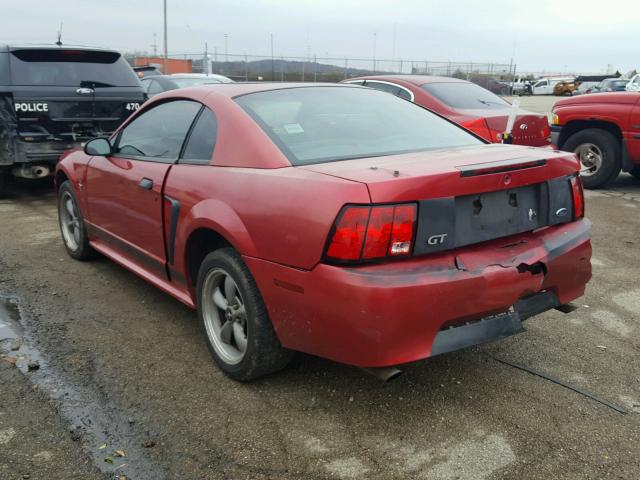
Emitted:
pixel 323 124
pixel 193 82
pixel 467 96
pixel 73 68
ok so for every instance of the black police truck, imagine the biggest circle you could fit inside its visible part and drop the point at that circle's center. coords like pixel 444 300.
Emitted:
pixel 56 97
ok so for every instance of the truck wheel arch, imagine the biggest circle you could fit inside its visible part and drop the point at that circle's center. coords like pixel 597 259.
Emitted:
pixel 575 126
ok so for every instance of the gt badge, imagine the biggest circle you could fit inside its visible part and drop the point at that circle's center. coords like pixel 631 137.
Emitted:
pixel 436 239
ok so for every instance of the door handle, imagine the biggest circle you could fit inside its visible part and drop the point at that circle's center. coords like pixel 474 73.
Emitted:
pixel 146 183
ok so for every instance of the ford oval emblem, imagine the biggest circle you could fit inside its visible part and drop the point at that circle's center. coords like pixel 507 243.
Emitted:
pixel 562 212
pixel 523 126
pixel 84 91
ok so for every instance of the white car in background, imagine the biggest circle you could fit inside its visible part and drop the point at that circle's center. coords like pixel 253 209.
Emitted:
pixel 634 84
pixel 544 86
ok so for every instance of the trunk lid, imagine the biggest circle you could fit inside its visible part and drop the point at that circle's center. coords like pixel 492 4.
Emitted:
pixel 530 129
pixel 469 195
pixel 70 93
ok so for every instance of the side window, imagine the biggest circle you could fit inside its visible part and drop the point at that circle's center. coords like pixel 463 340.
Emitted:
pixel 202 139
pixel 158 132
pixel 385 87
pixel 154 88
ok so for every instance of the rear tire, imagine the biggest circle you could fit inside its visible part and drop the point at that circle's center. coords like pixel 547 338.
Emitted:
pixel 72 226
pixel 4 180
pixel 234 319
pixel 599 154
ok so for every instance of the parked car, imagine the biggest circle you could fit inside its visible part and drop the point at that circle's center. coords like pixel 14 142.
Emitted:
pixel 163 83
pixel 465 103
pixel 146 71
pixel 334 220
pixel 611 85
pixel 585 88
pixel 545 86
pixel 565 88
pixel 53 98
pixel 633 85
pixel 603 130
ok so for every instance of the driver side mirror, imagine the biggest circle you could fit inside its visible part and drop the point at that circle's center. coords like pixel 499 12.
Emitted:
pixel 98 146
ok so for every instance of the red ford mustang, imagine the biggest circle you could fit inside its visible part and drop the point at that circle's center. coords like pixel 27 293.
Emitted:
pixel 334 220
pixel 475 108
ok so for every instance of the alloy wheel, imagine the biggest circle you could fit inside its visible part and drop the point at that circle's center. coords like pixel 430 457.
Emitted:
pixel 69 221
pixel 590 157
pixel 225 316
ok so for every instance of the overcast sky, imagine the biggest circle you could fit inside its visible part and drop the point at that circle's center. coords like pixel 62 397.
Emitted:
pixel 542 35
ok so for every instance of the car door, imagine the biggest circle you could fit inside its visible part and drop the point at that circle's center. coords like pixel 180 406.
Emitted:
pixel 124 191
pixel 541 88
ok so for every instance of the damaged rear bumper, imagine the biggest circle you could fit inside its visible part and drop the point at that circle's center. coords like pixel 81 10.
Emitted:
pixel 398 312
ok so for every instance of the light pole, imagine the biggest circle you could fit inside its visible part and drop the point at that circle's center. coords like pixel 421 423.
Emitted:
pixel 166 48
pixel 375 41
pixel 273 65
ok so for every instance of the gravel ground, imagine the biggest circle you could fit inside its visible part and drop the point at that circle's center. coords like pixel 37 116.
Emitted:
pixel 123 364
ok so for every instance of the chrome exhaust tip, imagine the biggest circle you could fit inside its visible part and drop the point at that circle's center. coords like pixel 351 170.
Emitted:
pixel 385 374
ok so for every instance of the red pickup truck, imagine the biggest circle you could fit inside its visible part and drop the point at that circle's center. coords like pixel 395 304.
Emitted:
pixel 603 130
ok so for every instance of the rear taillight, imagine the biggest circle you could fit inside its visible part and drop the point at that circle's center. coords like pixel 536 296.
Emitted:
pixel 578 197
pixel 546 132
pixel 372 232
pixel 479 127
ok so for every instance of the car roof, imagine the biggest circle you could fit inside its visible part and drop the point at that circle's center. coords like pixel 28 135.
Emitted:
pixel 232 90
pixel 49 46
pixel 213 76
pixel 415 79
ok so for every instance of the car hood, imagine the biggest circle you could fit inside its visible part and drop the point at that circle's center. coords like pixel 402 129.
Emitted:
pixel 628 98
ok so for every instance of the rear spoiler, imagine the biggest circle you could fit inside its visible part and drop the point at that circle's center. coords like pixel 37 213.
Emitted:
pixel 498 167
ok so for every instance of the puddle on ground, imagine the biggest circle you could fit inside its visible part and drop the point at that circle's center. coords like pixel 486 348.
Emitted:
pixel 92 423
pixel 13 347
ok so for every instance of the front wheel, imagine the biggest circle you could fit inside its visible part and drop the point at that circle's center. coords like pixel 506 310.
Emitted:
pixel 234 319
pixel 72 226
pixel 599 155
pixel 4 177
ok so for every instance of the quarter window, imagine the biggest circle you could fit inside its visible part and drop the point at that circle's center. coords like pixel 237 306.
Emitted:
pixel 202 139
pixel 158 132
pixel 385 87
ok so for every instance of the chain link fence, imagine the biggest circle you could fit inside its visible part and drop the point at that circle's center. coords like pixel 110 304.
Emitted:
pixel 316 68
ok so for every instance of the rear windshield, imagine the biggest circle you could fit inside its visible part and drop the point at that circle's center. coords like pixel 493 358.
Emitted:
pixel 71 68
pixel 323 124
pixel 467 96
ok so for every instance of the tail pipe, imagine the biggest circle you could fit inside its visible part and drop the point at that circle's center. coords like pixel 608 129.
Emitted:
pixel 386 374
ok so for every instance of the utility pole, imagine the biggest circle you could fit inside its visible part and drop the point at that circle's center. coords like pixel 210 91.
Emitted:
pixel 155 45
pixel 165 67
pixel 207 62
pixel 375 41
pixel 273 65
pixel 393 53
pixel 226 47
